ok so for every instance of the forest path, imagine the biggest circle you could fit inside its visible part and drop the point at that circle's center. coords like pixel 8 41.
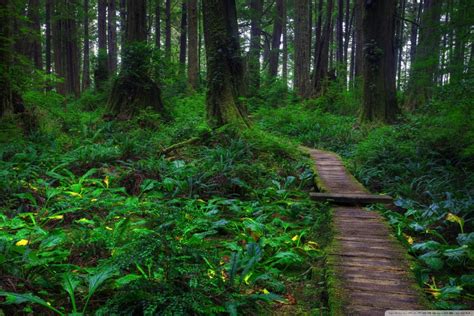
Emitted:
pixel 369 271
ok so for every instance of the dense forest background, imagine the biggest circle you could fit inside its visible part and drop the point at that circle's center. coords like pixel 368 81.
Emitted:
pixel 151 146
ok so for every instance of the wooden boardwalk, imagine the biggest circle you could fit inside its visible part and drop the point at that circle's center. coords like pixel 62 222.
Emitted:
pixel 369 272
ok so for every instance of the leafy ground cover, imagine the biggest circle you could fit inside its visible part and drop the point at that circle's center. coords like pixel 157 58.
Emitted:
pixel 96 219
pixel 425 161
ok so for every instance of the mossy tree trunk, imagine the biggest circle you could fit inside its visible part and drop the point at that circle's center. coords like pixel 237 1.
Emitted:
pixel 6 102
pixel 134 89
pixel 224 64
pixel 426 59
pixel 378 70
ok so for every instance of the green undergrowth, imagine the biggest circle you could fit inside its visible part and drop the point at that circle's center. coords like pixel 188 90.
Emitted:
pixel 95 219
pixel 425 161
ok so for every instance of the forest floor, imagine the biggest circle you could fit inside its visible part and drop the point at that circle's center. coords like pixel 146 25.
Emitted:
pixel 98 216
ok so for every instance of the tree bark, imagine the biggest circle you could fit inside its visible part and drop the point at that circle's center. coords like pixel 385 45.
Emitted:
pixel 193 56
pixel 48 9
pixel 320 77
pixel 425 63
pixel 183 37
pixel 101 72
pixel 359 55
pixel 168 30
pixel 276 39
pixel 112 36
pixel 35 27
pixel 6 101
pixel 302 49
pixel 86 81
pixel 256 12
pixel 400 40
pixel 66 49
pixel 339 33
pixel 378 34
pixel 134 89
pixel 224 64
pixel 158 24
pixel 284 58
pixel 416 12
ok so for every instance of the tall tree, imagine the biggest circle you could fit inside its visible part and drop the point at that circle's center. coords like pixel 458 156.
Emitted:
pixel 224 64
pixel 101 72
pixel 378 71
pixel 416 13
pixel 302 48
pixel 322 53
pixel 462 25
pixel 276 38
pixel 112 36
pixel 339 32
pixel 183 36
pixel 193 56
pixel 168 30
pixel 48 10
pixel 134 89
pixel 400 39
pixel 359 54
pixel 86 54
pixel 284 57
pixel 256 12
pixel 425 64
pixel 35 33
pixel 158 24
pixel 6 101
pixel 66 49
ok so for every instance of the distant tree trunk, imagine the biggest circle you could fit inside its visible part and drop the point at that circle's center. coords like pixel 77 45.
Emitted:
pixel 284 57
pixel 35 42
pixel 359 54
pixel 347 29
pixel 158 24
pixel 134 89
pixel 320 77
pixel 101 72
pixel 224 64
pixel 302 48
pixel 425 64
pixel 48 9
pixel 416 12
pixel 379 90
pixel 462 28
pixel 168 30
pixel 193 56
pixel 318 36
pixel 112 36
pixel 256 12
pixel 400 39
pixel 66 47
pixel 6 100
pixel 86 81
pixel 123 21
pixel 183 37
pixel 339 33
pixel 276 39
pixel 352 65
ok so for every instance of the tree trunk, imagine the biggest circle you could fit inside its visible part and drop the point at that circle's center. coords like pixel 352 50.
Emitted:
pixel 48 9
pixel 400 40
pixel 158 24
pixel 347 29
pixel 123 21
pixel 168 30
pixel 256 12
pixel 276 39
pixel 183 37
pixel 86 55
pixel 101 72
pixel 112 36
pixel 318 36
pixel 35 41
pixel 359 54
pixel 339 33
pixel 193 56
pixel 302 49
pixel 320 77
pixel 379 90
pixel 284 57
pixel 224 64
pixel 66 49
pixel 6 101
pixel 416 12
pixel 134 89
pixel 462 26
pixel 425 64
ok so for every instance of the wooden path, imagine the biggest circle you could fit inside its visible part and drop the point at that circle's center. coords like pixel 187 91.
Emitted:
pixel 369 271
